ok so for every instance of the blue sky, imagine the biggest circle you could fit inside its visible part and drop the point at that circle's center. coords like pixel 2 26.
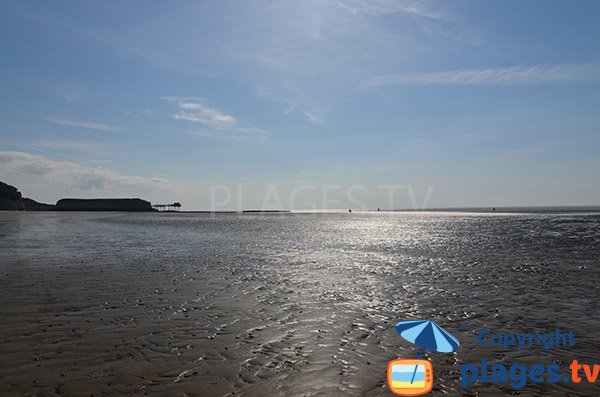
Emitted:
pixel 489 102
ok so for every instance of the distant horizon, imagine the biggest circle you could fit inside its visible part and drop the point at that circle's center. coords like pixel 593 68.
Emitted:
pixel 415 208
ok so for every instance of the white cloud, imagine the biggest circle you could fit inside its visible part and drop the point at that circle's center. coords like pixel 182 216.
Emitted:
pixel 217 124
pixel 517 75
pixel 203 114
pixel 83 124
pixel 79 179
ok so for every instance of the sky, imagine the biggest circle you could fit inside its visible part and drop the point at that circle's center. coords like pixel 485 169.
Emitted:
pixel 303 104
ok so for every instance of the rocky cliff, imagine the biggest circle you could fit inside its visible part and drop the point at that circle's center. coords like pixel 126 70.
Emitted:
pixel 11 199
pixel 134 205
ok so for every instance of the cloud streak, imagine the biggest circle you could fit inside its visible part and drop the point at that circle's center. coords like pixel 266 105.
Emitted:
pixel 313 118
pixel 70 93
pixel 83 124
pixel 511 76
pixel 291 106
pixel 385 7
pixel 60 144
pixel 215 123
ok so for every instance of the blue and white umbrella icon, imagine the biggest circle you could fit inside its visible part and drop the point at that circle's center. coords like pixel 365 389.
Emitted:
pixel 427 335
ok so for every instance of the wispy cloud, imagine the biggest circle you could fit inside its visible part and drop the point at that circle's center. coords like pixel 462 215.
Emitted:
pixel 80 177
pixel 70 93
pixel 84 124
pixel 216 124
pixel 313 118
pixel 59 144
pixel 138 113
pixel 290 109
pixel 384 7
pixel 287 47
pixel 517 75
pixel 199 113
pixel 290 106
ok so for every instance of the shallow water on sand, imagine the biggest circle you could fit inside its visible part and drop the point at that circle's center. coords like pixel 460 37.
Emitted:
pixel 111 304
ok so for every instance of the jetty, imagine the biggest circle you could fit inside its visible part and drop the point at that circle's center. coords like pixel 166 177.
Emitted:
pixel 167 207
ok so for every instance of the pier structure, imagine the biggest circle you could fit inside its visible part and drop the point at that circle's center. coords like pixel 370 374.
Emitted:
pixel 167 207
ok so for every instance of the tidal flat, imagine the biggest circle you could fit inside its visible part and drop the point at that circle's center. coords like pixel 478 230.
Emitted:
pixel 289 304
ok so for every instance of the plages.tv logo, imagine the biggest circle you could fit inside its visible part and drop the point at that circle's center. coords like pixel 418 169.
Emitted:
pixel 414 377
pixel 519 375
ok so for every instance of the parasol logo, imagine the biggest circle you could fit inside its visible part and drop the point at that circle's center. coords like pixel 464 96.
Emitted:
pixel 414 377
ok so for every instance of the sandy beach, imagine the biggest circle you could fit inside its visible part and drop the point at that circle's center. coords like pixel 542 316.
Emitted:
pixel 282 304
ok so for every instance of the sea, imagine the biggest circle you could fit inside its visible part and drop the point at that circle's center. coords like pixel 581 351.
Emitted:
pixel 294 304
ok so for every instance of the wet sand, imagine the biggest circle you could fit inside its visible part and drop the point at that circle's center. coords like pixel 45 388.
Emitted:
pixel 109 305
